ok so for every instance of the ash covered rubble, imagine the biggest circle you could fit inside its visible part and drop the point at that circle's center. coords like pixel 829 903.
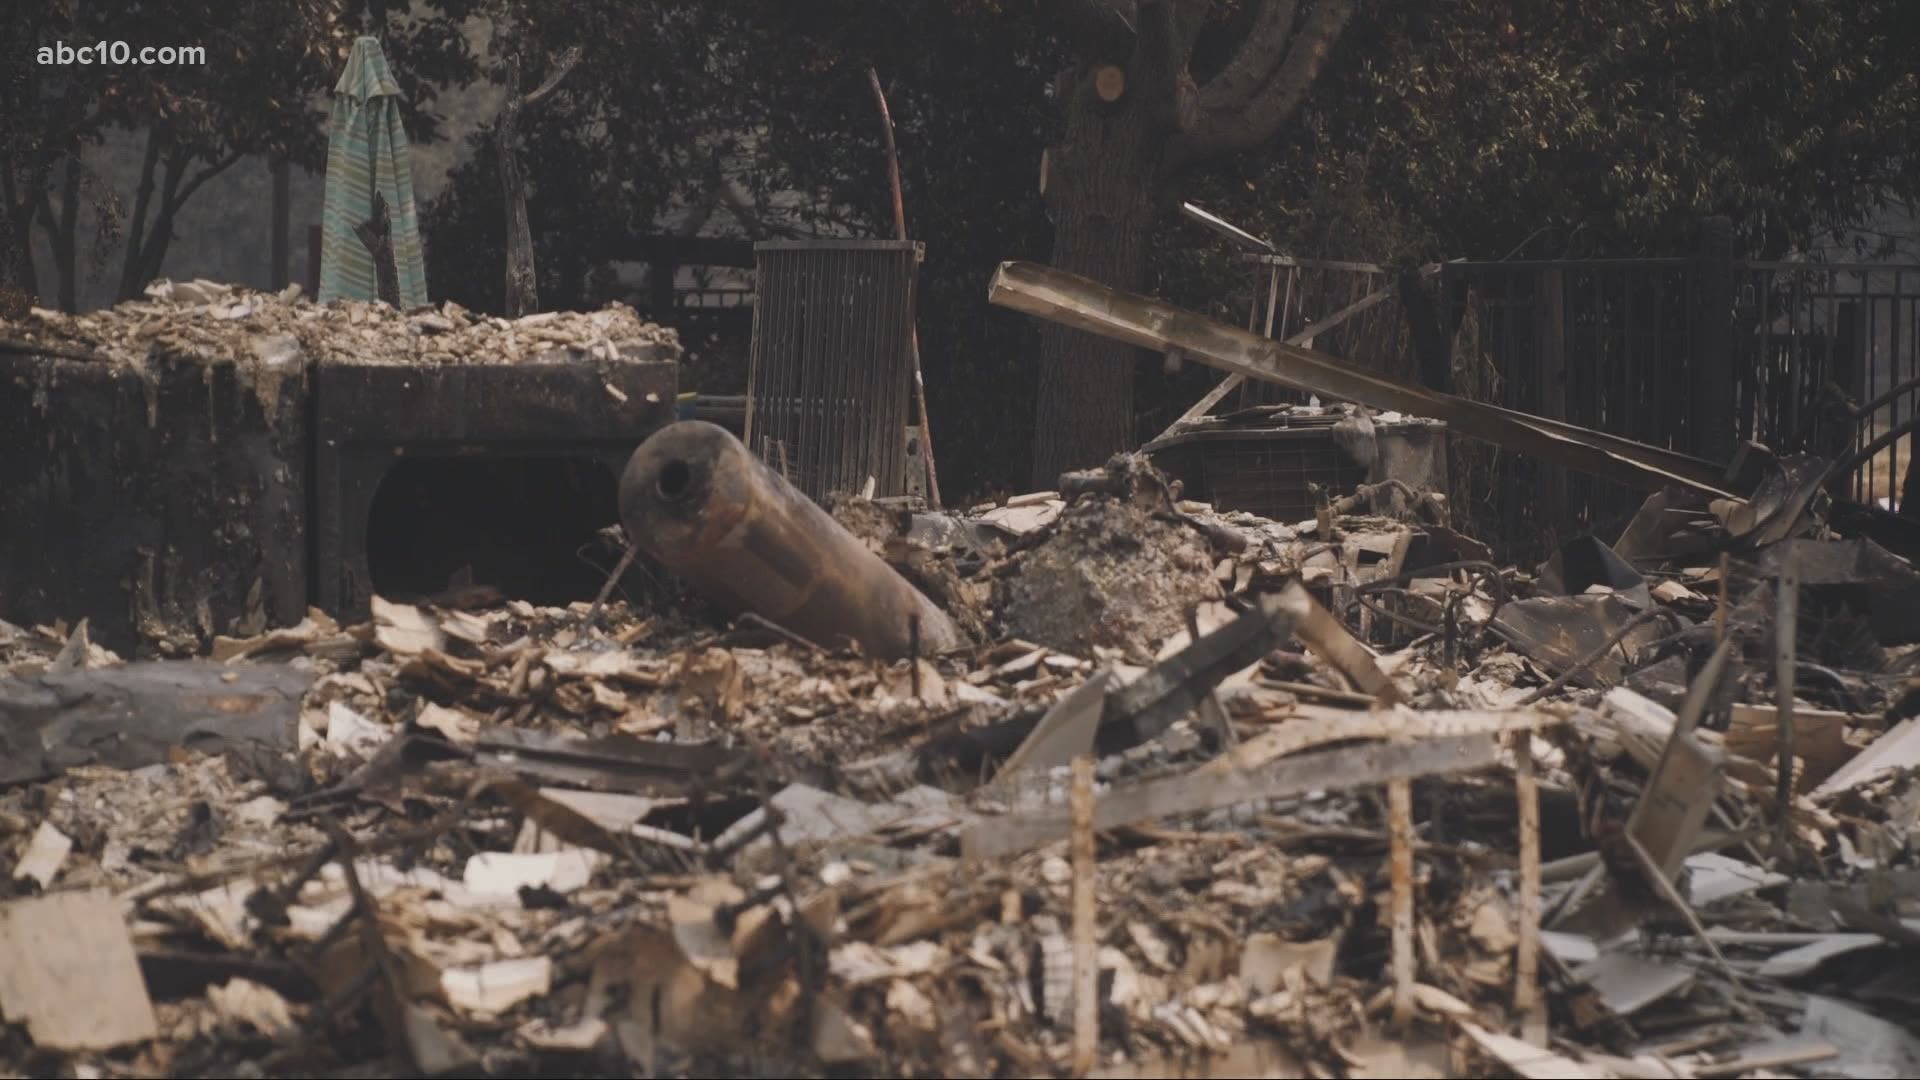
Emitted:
pixel 217 320
pixel 1191 792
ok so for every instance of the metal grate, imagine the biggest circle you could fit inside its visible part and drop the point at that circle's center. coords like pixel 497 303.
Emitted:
pixel 830 380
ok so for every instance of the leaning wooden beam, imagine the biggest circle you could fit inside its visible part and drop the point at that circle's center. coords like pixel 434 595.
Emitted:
pixel 1194 792
pixel 1080 302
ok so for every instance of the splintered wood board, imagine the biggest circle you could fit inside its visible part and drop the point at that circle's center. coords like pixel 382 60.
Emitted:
pixel 68 972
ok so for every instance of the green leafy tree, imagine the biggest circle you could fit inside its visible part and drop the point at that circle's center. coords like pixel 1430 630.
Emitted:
pixel 261 89
pixel 1417 132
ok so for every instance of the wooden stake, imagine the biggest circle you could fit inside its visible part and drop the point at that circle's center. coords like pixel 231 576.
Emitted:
pixel 1526 965
pixel 1400 836
pixel 900 233
pixel 1086 967
pixel 1786 624
pixel 1720 613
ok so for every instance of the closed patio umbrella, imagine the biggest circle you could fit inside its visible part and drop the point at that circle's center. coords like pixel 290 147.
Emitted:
pixel 369 188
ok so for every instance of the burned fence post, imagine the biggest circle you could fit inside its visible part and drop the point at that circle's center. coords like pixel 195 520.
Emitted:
pixel 1419 302
pixel 695 499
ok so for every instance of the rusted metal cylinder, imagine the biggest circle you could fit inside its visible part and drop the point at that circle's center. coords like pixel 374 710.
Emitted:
pixel 694 498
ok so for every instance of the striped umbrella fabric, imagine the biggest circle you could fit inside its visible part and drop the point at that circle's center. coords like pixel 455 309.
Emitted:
pixel 368 153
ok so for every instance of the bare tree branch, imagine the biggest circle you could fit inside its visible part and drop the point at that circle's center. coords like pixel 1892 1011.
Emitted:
pixel 1254 63
pixel 1192 16
pixel 1100 27
pixel 1228 129
pixel 187 189
pixel 561 69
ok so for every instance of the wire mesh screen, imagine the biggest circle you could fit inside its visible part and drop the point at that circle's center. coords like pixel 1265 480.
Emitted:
pixel 828 389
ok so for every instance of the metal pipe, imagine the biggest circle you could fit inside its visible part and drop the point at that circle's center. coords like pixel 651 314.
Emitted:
pixel 694 498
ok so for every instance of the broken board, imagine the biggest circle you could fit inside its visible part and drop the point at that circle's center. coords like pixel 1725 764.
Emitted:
pixel 68 972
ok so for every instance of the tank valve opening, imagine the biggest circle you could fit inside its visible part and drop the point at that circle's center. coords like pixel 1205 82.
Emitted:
pixel 675 480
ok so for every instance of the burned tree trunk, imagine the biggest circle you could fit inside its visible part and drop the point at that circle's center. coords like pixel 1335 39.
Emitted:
pixel 1100 190
pixel 1133 117
pixel 523 293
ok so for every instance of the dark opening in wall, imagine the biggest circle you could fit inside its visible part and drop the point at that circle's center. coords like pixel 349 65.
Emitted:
pixel 521 524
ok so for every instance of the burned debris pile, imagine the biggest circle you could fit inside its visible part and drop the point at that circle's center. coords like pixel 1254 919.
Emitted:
pixel 1154 789
pixel 223 322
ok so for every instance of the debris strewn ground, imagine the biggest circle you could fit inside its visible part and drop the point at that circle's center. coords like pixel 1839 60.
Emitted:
pixel 1342 814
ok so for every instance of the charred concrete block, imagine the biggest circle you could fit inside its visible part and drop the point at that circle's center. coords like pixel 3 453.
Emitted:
pixel 164 501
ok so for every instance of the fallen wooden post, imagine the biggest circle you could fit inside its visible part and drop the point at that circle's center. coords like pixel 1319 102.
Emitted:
pixel 1175 686
pixel 1786 627
pixel 1085 304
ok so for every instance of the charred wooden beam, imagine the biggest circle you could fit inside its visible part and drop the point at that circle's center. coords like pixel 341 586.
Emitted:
pixel 694 498
pixel 1080 302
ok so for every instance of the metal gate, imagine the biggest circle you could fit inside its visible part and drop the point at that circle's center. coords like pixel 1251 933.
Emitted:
pixel 832 366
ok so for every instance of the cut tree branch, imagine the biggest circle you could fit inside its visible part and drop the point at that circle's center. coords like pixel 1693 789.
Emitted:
pixel 187 189
pixel 1229 129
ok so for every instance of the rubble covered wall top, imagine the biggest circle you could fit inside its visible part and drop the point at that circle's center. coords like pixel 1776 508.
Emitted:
pixel 203 318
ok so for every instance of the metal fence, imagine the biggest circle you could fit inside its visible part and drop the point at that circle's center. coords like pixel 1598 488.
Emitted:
pixel 1599 343
pixel 1804 331
pixel 1692 354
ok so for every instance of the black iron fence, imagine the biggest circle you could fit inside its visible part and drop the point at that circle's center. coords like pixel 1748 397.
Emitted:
pixel 1693 354
pixel 1600 343
pixel 1829 355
